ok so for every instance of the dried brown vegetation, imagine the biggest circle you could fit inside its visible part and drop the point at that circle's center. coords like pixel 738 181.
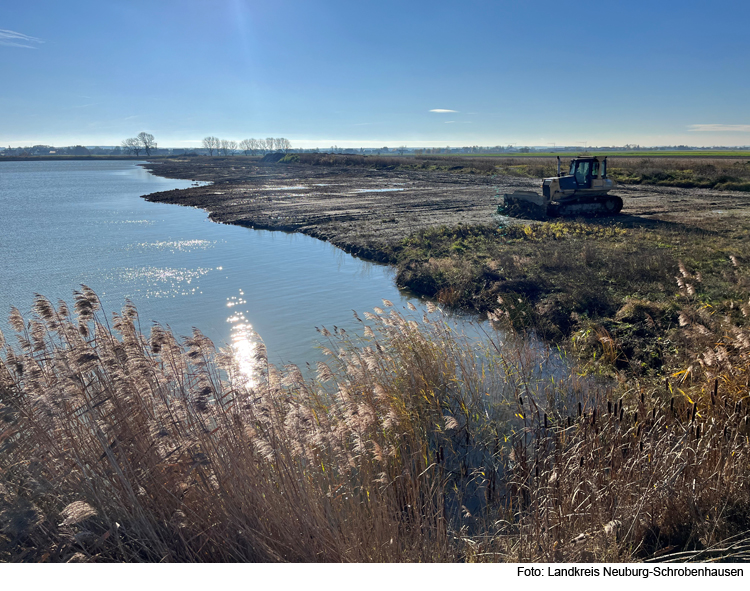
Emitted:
pixel 731 174
pixel 411 444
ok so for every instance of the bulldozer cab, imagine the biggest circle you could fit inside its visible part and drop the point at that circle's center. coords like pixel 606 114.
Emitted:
pixel 585 169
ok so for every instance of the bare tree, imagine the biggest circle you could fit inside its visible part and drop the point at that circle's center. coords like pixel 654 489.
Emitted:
pixel 132 146
pixel 146 140
pixel 232 146
pixel 262 145
pixel 211 143
pixel 283 144
pixel 270 143
pixel 224 147
pixel 401 150
pixel 246 146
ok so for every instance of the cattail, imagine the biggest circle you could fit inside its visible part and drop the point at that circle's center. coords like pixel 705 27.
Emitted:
pixel 695 410
pixel 609 407
pixel 580 409
pixel 621 413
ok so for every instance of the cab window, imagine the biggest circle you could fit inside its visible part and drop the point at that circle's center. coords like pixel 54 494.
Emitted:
pixel 595 168
pixel 582 172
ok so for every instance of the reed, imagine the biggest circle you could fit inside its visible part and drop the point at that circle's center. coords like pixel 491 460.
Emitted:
pixel 411 443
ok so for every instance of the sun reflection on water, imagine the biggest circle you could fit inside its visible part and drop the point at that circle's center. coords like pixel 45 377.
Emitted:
pixel 246 344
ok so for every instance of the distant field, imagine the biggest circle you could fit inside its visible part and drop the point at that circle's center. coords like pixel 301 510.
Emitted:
pixel 645 154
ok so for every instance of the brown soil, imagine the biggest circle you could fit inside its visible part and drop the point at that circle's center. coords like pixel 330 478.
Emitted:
pixel 366 211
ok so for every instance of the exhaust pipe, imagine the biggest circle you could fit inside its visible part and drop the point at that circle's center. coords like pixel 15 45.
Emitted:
pixel 558 166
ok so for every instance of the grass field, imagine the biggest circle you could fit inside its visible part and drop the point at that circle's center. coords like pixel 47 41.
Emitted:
pixel 724 171
pixel 626 154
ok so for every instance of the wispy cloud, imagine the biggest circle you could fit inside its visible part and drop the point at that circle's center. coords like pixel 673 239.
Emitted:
pixel 718 127
pixel 83 106
pixel 442 111
pixel 450 122
pixel 14 39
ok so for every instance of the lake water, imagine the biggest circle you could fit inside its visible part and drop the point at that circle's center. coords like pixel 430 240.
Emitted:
pixel 65 224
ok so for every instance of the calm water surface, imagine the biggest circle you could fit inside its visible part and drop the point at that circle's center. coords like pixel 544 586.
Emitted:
pixel 64 224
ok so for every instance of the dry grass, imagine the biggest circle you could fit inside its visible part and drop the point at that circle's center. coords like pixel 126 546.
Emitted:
pixel 721 173
pixel 411 444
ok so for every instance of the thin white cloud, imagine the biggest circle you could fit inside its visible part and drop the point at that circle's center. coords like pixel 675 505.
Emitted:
pixel 719 127
pixel 442 111
pixel 83 106
pixel 14 39
pixel 450 121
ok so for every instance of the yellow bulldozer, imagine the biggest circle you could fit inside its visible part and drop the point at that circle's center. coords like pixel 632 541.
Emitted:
pixel 583 191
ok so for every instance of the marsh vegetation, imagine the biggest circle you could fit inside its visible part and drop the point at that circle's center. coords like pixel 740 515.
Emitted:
pixel 409 444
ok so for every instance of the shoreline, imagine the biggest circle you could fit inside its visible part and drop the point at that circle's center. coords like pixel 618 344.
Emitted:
pixel 365 212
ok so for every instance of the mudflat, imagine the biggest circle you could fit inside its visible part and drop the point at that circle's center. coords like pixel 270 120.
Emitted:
pixel 366 211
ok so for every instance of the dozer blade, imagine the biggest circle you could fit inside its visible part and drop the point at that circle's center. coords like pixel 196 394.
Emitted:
pixel 524 204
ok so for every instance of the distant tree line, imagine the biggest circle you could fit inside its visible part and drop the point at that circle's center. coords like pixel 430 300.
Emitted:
pixel 249 146
pixel 140 143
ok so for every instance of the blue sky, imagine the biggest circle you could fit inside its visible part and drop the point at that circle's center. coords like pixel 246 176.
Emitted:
pixel 364 73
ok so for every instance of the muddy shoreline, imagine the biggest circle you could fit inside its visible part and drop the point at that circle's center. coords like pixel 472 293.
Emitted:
pixel 368 212
pixel 364 212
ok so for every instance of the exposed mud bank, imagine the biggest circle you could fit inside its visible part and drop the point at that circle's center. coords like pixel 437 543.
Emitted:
pixel 365 212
